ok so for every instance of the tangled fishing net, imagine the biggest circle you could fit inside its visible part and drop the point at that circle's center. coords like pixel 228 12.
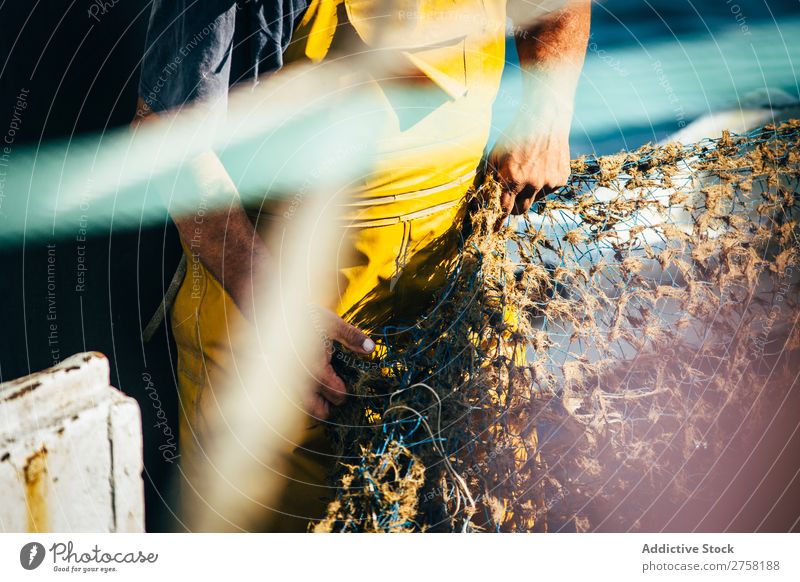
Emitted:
pixel 589 360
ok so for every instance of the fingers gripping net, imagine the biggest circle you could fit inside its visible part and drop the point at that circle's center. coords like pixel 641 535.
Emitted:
pixel 589 361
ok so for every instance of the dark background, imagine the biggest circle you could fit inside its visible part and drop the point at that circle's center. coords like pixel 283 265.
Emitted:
pixel 82 76
pixel 82 73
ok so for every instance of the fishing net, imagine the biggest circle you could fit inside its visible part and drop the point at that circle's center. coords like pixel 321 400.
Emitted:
pixel 587 361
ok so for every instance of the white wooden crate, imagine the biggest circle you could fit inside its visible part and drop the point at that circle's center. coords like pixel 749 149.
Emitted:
pixel 70 452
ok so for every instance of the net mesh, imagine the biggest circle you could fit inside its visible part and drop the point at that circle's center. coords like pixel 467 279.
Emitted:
pixel 588 360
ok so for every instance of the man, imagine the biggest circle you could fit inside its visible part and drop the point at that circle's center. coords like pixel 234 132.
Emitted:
pixel 403 220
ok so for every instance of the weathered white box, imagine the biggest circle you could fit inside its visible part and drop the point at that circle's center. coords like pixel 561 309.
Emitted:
pixel 70 452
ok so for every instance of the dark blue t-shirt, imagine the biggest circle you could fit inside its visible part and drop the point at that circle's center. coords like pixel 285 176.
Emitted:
pixel 197 49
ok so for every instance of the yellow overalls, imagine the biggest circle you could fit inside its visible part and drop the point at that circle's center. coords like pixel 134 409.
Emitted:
pixel 403 220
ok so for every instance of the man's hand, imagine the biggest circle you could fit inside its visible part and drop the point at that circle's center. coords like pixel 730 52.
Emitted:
pixel 331 390
pixel 532 159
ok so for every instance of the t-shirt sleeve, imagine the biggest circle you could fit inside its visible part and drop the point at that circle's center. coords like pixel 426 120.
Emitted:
pixel 187 55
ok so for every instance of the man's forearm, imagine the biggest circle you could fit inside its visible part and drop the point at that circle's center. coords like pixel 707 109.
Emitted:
pixel 551 54
pixel 223 238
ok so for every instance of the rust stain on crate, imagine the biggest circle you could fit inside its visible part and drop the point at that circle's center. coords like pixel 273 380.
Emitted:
pixel 35 476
